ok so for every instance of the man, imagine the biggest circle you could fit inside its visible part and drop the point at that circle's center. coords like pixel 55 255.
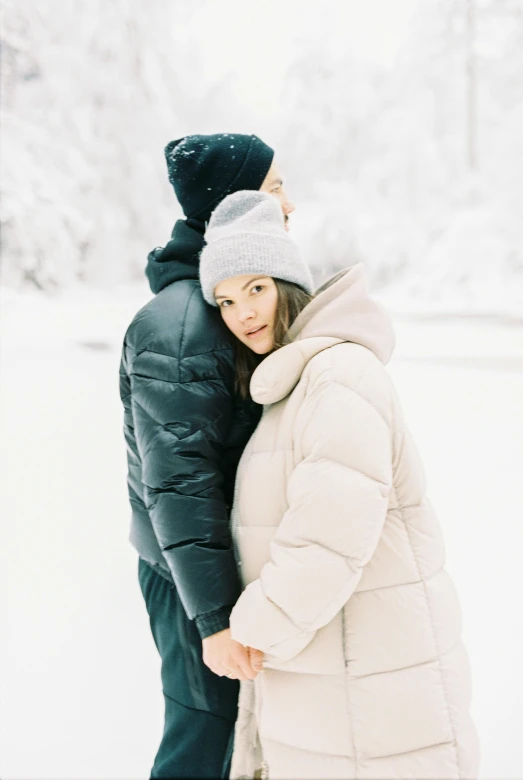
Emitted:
pixel 185 430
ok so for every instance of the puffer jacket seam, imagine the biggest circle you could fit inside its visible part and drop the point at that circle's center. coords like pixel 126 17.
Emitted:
pixel 329 380
pixel 138 502
pixel 175 381
pixel 301 630
pixel 354 570
pixel 123 373
pixel 436 645
pixel 314 459
pixel 397 585
pixel 368 756
pixel 308 628
pixel 305 750
pixel 346 656
pixel 159 491
pixel 416 750
pixel 404 668
pixel 314 543
pixel 162 425
pixel 182 331
pixel 344 614
pixel 177 357
pixel 401 508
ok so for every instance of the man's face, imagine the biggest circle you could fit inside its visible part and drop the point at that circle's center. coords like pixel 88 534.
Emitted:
pixel 273 184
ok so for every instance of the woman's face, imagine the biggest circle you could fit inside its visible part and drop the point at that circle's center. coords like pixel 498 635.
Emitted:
pixel 248 307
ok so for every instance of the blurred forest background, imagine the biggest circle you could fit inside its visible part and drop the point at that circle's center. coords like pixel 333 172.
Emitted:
pixel 412 163
pixel 398 126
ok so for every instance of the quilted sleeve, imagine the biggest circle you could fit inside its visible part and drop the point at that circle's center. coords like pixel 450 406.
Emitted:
pixel 180 428
pixel 337 503
pixel 134 466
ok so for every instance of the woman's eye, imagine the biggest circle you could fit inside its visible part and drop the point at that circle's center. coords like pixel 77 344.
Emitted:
pixel 225 304
pixel 257 288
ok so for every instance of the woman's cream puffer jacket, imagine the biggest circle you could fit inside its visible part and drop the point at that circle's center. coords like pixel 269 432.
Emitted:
pixel 343 560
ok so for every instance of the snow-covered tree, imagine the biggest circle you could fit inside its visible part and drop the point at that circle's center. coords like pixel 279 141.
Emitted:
pixel 92 93
pixel 417 169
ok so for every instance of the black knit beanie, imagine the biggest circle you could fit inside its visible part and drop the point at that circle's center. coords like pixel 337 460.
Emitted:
pixel 204 169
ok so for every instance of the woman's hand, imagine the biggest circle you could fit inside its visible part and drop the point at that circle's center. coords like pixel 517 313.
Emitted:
pixel 256 658
pixel 228 658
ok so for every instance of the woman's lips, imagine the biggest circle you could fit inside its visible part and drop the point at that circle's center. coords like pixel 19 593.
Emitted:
pixel 256 332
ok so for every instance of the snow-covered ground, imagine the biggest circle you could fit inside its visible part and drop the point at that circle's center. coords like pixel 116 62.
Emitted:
pixel 80 685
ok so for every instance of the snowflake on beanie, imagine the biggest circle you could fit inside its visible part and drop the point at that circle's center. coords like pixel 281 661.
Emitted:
pixel 204 169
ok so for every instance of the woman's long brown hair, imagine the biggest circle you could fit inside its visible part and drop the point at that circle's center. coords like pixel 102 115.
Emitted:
pixel 291 300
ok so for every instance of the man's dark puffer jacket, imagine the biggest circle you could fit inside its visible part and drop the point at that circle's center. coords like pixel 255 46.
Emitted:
pixel 185 431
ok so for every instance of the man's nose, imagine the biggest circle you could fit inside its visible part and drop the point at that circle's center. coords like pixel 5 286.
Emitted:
pixel 287 205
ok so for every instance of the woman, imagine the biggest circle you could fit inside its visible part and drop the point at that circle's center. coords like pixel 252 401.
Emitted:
pixel 364 674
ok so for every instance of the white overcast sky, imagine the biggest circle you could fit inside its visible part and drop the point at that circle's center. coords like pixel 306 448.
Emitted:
pixel 256 40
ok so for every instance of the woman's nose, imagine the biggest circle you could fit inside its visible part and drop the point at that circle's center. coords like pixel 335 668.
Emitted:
pixel 245 315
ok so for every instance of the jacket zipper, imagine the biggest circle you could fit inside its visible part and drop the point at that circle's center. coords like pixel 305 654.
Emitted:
pixel 264 765
pixel 235 525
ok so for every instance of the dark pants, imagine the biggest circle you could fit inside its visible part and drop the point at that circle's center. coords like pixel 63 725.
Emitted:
pixel 200 707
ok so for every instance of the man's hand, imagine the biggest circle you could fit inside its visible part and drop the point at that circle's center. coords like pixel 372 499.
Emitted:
pixel 228 658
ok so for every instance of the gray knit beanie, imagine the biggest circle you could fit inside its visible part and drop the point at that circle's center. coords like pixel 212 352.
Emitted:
pixel 246 235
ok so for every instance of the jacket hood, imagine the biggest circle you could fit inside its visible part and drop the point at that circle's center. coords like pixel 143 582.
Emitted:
pixel 179 259
pixel 341 310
